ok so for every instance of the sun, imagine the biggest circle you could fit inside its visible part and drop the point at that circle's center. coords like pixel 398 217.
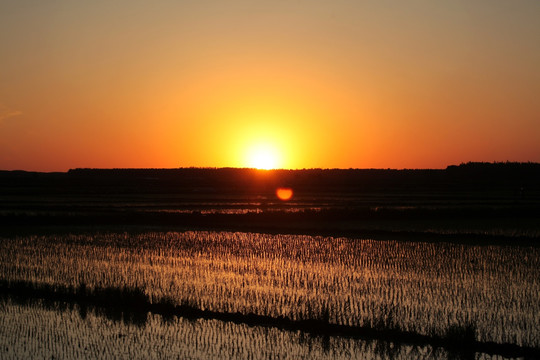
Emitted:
pixel 263 157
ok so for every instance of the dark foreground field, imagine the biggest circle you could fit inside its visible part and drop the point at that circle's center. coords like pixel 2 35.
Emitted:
pixel 471 202
pixel 358 264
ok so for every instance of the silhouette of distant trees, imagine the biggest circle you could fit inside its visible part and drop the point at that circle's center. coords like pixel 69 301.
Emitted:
pixel 224 180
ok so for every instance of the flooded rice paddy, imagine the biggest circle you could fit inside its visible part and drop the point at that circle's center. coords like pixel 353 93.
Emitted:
pixel 423 288
pixel 35 332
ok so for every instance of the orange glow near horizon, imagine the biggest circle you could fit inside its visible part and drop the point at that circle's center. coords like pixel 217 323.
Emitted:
pixel 284 194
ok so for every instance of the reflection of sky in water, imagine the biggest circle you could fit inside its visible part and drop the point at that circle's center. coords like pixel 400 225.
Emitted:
pixel 33 332
pixel 425 287
pixel 235 211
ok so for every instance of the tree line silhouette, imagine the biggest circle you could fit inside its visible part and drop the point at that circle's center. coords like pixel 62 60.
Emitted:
pixel 522 177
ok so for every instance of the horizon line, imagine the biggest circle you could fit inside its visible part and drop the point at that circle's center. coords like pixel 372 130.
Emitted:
pixel 470 163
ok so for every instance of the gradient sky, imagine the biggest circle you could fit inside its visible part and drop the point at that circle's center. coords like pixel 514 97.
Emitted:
pixel 330 84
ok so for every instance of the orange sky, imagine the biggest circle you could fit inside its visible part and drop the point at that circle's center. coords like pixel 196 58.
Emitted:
pixel 330 84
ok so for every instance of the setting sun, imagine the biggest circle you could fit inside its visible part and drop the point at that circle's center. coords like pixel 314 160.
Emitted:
pixel 263 156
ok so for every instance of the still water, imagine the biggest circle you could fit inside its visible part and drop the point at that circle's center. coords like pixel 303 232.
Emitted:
pixel 32 331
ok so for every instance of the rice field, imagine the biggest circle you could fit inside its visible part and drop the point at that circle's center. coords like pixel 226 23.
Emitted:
pixel 420 287
pixel 35 332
